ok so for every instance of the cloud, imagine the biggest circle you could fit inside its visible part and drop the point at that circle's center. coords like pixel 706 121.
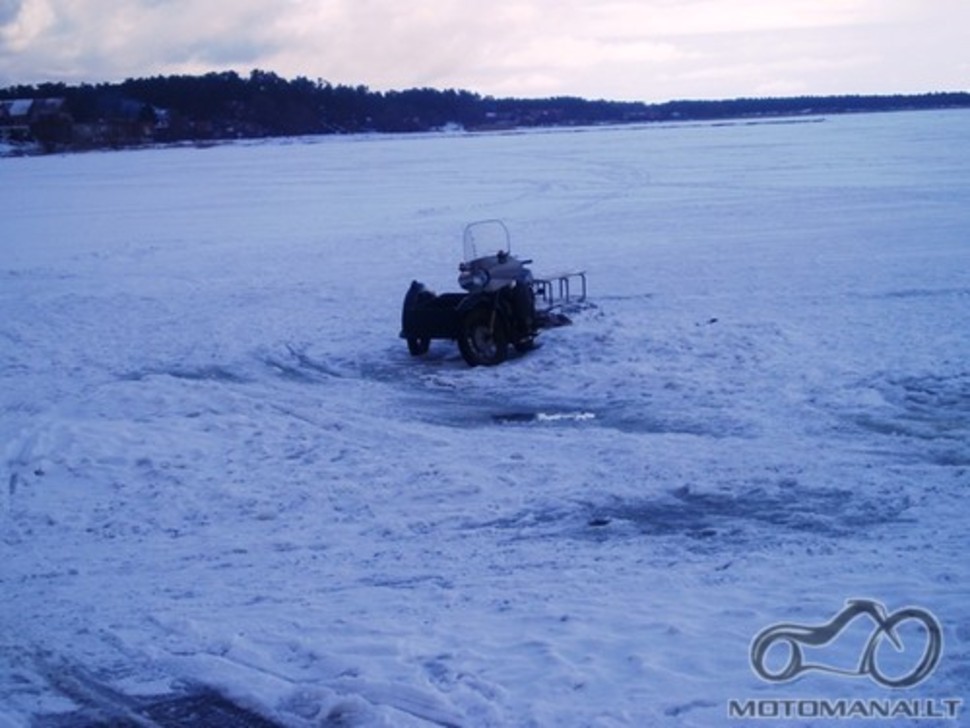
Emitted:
pixel 23 22
pixel 508 47
pixel 623 49
pixel 9 10
pixel 106 39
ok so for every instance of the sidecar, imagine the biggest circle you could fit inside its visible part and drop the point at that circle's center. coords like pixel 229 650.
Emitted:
pixel 427 315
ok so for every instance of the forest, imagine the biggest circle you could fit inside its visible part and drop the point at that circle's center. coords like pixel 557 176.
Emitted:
pixel 227 105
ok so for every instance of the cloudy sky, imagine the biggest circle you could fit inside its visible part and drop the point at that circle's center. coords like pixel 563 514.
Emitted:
pixel 649 50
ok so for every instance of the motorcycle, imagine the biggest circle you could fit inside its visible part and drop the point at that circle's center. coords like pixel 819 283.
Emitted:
pixel 497 309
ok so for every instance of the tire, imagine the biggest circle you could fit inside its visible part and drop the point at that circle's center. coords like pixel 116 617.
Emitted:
pixel 524 345
pixel 418 346
pixel 483 340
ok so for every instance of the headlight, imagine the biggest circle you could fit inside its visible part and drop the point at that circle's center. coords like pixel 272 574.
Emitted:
pixel 473 280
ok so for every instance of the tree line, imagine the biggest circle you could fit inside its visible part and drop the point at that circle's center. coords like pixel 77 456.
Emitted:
pixel 226 105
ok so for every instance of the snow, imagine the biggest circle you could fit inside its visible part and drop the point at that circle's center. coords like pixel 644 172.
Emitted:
pixel 220 465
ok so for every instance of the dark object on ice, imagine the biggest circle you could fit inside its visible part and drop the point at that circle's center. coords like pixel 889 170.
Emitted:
pixel 203 708
pixel 207 708
pixel 499 307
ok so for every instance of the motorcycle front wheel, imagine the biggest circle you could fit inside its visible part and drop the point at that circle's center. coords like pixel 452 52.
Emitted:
pixel 483 340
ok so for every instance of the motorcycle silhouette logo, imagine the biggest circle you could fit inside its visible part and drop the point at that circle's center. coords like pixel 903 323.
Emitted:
pixel 795 636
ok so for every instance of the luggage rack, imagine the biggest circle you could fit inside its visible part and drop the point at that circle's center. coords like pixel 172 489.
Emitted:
pixel 556 289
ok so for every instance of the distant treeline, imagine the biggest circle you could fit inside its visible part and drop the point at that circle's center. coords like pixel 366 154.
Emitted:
pixel 226 106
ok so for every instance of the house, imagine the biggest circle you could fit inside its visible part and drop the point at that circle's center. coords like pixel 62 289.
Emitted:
pixel 15 120
pixel 42 120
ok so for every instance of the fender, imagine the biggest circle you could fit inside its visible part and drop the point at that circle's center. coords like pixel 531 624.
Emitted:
pixel 415 293
pixel 486 299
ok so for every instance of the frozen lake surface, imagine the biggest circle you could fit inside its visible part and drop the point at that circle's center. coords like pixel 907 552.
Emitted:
pixel 224 475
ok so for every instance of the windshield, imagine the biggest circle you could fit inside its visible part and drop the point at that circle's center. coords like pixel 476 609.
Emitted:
pixel 486 237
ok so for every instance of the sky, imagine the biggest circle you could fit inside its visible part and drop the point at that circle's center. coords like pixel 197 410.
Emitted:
pixel 637 50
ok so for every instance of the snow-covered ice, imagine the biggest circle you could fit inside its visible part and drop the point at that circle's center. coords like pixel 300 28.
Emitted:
pixel 221 467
